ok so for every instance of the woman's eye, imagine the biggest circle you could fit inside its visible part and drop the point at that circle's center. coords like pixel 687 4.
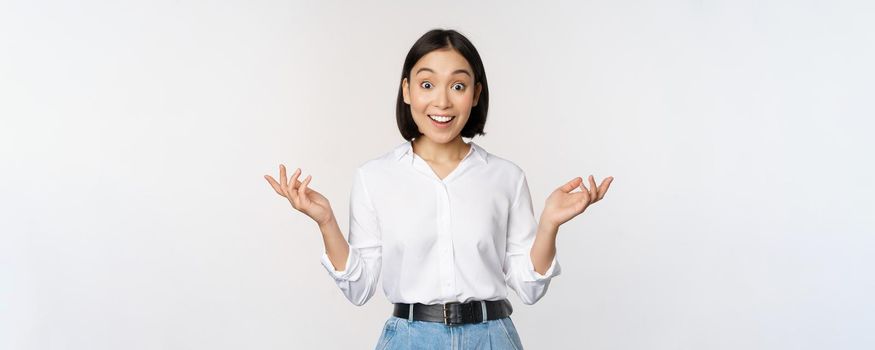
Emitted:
pixel 425 84
pixel 460 85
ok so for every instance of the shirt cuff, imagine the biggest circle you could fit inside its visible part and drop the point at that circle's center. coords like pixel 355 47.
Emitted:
pixel 530 275
pixel 351 272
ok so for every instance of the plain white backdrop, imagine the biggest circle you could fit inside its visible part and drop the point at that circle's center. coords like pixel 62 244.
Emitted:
pixel 134 139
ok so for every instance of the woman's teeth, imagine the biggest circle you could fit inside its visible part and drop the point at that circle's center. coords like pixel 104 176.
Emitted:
pixel 441 119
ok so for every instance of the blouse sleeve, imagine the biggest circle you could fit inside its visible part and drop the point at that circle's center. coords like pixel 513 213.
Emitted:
pixel 358 279
pixel 519 272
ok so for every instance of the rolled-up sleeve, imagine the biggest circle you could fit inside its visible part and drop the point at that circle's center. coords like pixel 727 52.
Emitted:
pixel 519 271
pixel 358 279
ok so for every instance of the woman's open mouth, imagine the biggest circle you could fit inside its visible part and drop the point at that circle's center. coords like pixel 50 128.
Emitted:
pixel 441 121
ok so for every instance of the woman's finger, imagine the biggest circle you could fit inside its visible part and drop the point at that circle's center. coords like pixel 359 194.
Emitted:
pixel 584 193
pixel 293 181
pixel 570 185
pixel 276 186
pixel 593 190
pixel 291 190
pixel 582 186
pixel 283 177
pixel 283 182
pixel 302 190
pixel 604 187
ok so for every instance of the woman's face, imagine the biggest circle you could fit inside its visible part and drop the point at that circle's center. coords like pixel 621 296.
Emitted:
pixel 440 93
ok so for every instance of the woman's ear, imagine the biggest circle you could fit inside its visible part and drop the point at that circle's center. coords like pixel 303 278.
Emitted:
pixel 477 94
pixel 404 91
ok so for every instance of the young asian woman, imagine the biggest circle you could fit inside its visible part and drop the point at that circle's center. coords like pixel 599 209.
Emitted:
pixel 448 226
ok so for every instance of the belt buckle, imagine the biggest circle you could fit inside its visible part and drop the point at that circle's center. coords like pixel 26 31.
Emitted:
pixel 449 319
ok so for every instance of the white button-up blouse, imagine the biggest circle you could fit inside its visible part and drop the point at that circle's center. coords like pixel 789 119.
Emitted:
pixel 466 237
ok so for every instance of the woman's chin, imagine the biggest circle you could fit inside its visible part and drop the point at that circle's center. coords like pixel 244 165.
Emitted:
pixel 441 137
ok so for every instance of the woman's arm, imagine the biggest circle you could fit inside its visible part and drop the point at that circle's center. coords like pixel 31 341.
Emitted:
pixel 522 251
pixel 355 266
pixel 544 248
pixel 317 207
pixel 561 206
pixel 335 244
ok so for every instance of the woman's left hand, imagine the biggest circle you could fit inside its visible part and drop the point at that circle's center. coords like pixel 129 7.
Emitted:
pixel 563 205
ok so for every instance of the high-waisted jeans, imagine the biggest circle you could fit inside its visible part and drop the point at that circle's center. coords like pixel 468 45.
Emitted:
pixel 400 333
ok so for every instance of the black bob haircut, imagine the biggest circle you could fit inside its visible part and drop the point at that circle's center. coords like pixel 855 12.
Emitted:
pixel 437 39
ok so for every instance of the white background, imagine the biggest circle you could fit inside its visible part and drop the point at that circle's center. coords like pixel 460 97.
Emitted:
pixel 134 139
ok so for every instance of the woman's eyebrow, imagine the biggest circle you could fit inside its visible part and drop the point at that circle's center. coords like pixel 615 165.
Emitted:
pixel 457 71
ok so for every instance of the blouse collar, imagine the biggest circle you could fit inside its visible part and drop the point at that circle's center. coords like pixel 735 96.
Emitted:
pixel 404 151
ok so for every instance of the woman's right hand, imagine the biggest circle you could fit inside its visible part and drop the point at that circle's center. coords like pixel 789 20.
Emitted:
pixel 304 199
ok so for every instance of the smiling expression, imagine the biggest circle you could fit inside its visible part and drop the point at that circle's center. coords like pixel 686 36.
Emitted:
pixel 441 92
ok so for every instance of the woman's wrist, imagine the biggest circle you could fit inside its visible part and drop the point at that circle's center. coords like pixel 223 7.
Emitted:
pixel 547 225
pixel 331 221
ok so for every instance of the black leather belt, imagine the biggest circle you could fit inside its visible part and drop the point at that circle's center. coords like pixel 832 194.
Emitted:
pixel 455 312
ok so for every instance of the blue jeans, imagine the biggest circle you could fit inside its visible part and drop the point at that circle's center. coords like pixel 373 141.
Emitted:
pixel 400 333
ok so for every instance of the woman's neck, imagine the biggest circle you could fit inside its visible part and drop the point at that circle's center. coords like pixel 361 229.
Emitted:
pixel 431 151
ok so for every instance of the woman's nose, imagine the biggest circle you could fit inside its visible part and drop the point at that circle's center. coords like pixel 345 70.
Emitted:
pixel 442 100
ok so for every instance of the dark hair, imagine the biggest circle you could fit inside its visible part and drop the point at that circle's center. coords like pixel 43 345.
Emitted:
pixel 436 39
